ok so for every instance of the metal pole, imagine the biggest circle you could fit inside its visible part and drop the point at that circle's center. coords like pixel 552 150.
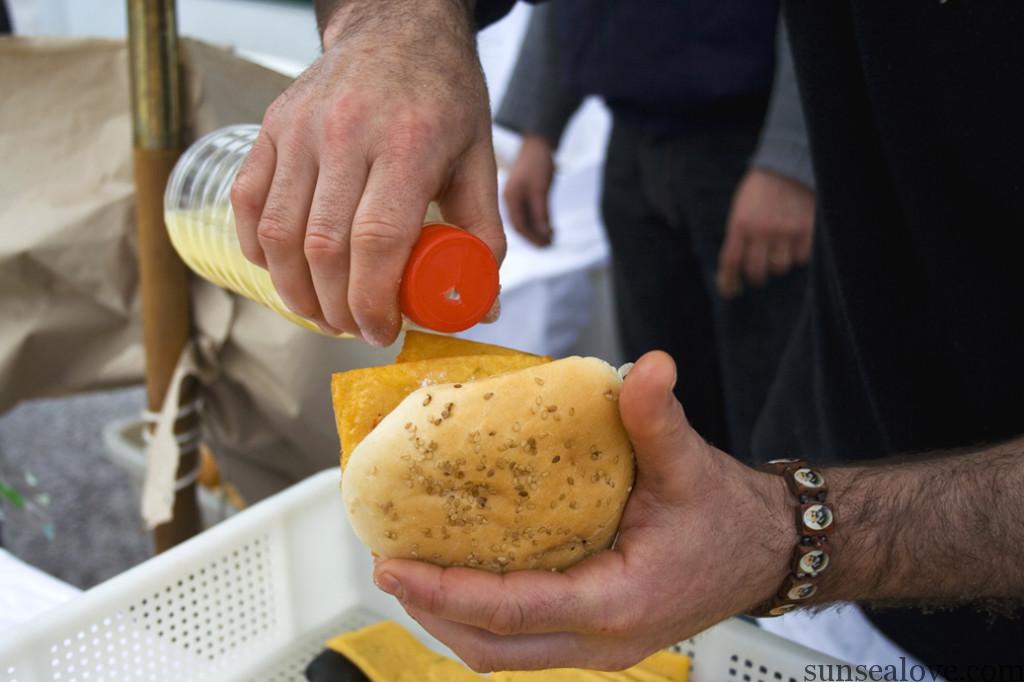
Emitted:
pixel 163 279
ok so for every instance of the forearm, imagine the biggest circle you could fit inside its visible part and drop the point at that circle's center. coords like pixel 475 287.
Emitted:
pixel 536 100
pixel 940 529
pixel 784 147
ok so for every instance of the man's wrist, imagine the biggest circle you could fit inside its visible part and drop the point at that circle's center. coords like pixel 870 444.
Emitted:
pixel 336 18
pixel 937 528
pixel 538 141
pixel 329 18
pixel 837 553
pixel 777 535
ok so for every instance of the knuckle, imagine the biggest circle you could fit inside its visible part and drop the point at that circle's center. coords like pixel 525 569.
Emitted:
pixel 296 146
pixel 272 231
pixel 376 235
pixel 338 130
pixel 344 118
pixel 275 113
pixel 245 199
pixel 496 240
pixel 322 245
pixel 508 617
pixel 437 598
pixel 410 134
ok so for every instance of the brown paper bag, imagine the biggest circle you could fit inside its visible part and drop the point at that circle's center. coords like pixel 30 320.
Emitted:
pixel 68 283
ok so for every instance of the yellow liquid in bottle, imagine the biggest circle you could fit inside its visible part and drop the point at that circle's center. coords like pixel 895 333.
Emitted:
pixel 206 240
pixel 208 244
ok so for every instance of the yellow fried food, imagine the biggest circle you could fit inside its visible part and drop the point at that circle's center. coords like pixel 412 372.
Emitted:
pixel 362 397
pixel 424 346
pixel 387 652
pixel 663 666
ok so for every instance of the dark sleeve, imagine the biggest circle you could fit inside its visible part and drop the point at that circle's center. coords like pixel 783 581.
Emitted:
pixel 536 101
pixel 783 147
pixel 487 12
pixel 5 20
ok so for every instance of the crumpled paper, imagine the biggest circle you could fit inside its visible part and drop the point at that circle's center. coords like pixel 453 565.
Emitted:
pixel 68 284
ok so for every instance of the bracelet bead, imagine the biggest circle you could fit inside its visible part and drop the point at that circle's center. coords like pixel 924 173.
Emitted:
pixel 815 521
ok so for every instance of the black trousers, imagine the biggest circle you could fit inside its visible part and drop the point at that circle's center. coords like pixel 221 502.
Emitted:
pixel 665 204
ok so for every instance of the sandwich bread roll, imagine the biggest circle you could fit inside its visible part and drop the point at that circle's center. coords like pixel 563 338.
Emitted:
pixel 529 469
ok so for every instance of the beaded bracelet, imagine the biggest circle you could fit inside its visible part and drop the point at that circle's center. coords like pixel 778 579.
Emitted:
pixel 815 521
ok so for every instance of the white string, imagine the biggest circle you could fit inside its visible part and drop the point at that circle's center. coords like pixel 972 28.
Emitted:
pixel 185 410
pixel 186 440
pixel 187 480
pixel 163 452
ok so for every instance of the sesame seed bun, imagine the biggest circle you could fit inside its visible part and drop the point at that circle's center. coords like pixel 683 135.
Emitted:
pixel 526 470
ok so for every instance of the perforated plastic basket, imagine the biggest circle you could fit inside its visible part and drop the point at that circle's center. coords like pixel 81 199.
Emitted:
pixel 255 597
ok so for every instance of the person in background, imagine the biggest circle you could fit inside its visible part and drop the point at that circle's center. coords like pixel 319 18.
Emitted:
pixel 708 205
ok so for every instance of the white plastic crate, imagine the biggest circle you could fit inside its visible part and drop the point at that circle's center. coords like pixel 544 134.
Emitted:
pixel 255 598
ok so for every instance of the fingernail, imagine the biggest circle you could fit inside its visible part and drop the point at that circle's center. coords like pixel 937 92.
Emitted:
pixel 373 338
pixel 380 331
pixel 494 313
pixel 388 583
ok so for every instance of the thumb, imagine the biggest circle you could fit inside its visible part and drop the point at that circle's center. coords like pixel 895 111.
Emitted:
pixel 471 199
pixel 663 440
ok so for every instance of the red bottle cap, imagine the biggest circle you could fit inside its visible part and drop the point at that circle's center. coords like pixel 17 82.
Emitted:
pixel 450 281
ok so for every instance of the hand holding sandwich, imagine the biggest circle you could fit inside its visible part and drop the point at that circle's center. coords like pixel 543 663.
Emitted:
pixel 490 472
pixel 702 538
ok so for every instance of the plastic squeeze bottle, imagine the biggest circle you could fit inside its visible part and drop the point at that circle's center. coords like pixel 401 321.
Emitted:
pixel 449 283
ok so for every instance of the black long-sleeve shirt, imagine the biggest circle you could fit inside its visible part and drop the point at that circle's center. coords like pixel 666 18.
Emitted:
pixel 912 337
